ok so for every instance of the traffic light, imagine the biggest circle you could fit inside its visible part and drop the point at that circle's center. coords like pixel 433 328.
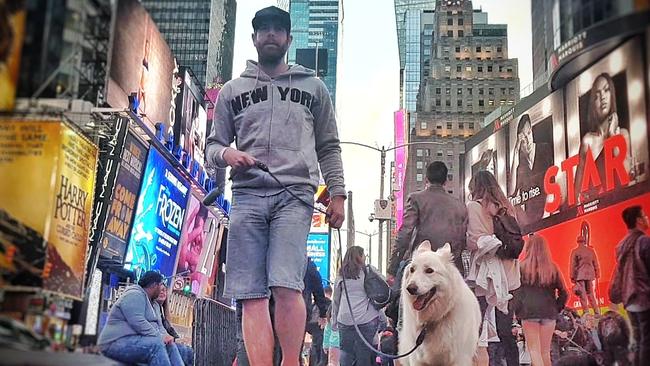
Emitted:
pixel 187 286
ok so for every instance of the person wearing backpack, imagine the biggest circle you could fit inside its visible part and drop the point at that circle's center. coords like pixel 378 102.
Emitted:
pixel 364 312
pixel 494 272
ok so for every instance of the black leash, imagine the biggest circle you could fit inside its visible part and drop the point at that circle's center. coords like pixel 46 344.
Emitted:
pixel 419 340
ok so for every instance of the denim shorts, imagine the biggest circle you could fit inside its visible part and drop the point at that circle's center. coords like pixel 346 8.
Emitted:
pixel 540 321
pixel 267 243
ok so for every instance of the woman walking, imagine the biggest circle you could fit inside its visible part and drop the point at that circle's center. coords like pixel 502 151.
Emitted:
pixel 540 299
pixel 353 349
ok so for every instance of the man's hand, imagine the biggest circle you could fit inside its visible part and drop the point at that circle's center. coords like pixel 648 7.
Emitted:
pixel 336 212
pixel 168 339
pixel 322 322
pixel 238 159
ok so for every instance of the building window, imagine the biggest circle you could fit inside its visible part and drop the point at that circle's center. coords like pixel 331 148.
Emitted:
pixel 437 102
pixel 490 91
pixel 458 68
pixel 499 49
pixel 489 68
pixel 450 152
pixel 478 48
pixel 427 51
pixel 460 21
pixel 418 177
pixel 450 33
pixel 439 153
pixel 418 152
pixel 469 91
pixel 459 103
pixel 447 68
pixel 419 165
pixel 491 102
pixel 503 91
pixel 461 126
pixel 451 191
pixel 461 33
pixel 438 126
pixel 423 125
pixel 449 126
pixel 480 69
pixel 481 103
pixel 450 177
pixel 459 91
pixel 448 103
pixel 450 21
pixel 468 68
pixel 447 90
pixel 511 91
pixel 511 102
pixel 457 48
pixel 437 90
pixel 480 91
pixel 471 125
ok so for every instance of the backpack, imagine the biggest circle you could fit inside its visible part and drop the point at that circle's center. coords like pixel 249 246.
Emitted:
pixel 376 288
pixel 507 230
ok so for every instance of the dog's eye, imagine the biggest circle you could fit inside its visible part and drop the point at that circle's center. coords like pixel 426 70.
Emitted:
pixel 428 270
pixel 412 269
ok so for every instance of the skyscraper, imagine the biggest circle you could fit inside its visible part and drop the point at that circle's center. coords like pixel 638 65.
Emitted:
pixel 469 75
pixel 315 27
pixel 200 33
pixel 556 21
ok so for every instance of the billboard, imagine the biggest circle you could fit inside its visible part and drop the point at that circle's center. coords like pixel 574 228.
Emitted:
pixel 122 206
pixel 70 214
pixel 158 218
pixel 12 32
pixel 489 154
pixel 28 155
pixel 140 62
pixel 318 249
pixel 191 118
pixel 400 165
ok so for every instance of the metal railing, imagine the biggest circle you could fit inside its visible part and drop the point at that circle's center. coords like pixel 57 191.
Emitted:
pixel 215 333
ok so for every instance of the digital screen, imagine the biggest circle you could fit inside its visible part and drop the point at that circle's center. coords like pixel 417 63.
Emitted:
pixel 318 249
pixel 158 219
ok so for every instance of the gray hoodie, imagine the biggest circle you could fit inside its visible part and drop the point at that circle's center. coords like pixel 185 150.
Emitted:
pixel 286 122
pixel 132 314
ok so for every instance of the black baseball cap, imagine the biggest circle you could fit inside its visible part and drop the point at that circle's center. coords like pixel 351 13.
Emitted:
pixel 272 14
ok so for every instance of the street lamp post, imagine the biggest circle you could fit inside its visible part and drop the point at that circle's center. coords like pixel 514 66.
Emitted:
pixel 383 152
pixel 369 241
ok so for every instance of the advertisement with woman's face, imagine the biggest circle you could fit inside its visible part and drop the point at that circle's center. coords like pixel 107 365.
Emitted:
pixel 488 155
pixel 535 143
pixel 193 244
pixel 607 126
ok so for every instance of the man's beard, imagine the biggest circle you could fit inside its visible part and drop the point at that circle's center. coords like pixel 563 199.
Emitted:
pixel 271 58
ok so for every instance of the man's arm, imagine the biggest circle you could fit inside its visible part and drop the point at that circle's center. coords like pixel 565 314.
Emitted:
pixel 596 265
pixel 644 251
pixel 223 129
pixel 133 306
pixel 409 223
pixel 319 293
pixel 574 266
pixel 328 146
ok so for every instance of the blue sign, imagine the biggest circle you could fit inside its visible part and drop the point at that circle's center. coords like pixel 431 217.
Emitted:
pixel 158 218
pixel 318 249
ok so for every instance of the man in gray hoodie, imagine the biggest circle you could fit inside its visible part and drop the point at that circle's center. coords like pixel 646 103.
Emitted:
pixel 131 334
pixel 281 116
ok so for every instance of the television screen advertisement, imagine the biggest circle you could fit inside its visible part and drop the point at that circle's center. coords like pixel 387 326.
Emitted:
pixel 535 143
pixel 140 62
pixel 158 218
pixel 28 154
pixel 603 231
pixel 190 127
pixel 70 215
pixel 490 154
pixel 318 249
pixel 12 34
pixel 122 208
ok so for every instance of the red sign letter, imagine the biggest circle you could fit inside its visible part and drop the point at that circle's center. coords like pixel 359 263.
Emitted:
pixel 552 188
pixel 615 163
pixel 589 173
pixel 567 167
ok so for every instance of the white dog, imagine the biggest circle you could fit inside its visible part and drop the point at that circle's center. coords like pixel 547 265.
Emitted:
pixel 434 295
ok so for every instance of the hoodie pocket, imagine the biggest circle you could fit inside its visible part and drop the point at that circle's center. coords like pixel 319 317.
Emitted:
pixel 290 163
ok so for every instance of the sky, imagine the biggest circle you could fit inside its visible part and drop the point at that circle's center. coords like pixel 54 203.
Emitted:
pixel 368 84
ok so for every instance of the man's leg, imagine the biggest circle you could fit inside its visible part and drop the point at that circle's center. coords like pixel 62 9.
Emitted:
pixel 138 349
pixel 187 354
pixel 174 355
pixel 258 333
pixel 242 358
pixel 290 316
pixel 644 337
pixel 636 334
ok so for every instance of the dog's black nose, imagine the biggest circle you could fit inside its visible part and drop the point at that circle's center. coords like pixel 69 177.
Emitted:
pixel 412 289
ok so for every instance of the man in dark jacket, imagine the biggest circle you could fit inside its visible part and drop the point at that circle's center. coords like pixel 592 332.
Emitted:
pixel 315 322
pixel 434 215
pixel 632 279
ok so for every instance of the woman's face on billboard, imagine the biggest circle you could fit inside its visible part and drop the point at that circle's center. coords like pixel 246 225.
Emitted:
pixel 602 97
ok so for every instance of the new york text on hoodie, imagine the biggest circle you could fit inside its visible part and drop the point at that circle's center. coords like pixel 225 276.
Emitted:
pixel 286 122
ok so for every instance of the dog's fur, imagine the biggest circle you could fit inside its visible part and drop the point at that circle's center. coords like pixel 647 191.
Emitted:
pixel 452 315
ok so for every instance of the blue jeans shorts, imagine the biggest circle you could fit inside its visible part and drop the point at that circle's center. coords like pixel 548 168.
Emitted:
pixel 267 243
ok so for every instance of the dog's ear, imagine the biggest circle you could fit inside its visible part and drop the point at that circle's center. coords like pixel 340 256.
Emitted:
pixel 425 246
pixel 445 252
